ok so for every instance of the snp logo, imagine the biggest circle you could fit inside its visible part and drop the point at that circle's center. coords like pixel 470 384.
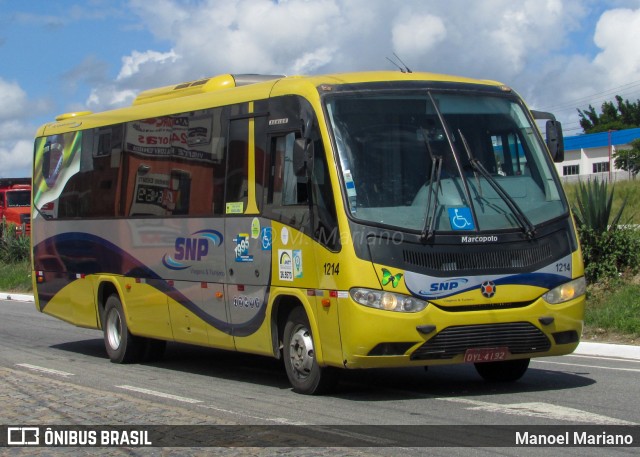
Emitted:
pixel 448 285
pixel 191 249
pixel 23 436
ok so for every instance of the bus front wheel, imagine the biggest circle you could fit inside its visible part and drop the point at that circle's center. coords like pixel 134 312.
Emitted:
pixel 121 345
pixel 507 371
pixel 303 371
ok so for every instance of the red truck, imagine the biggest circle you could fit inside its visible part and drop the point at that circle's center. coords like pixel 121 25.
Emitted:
pixel 15 203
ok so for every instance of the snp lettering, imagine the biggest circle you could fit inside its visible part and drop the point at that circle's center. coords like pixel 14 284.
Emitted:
pixel 191 248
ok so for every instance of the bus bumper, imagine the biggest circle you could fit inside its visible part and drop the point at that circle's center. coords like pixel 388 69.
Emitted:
pixel 373 338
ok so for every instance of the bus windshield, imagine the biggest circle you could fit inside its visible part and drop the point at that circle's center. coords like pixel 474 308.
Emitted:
pixel 19 198
pixel 431 161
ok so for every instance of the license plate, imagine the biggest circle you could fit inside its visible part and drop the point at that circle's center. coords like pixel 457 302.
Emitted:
pixel 480 355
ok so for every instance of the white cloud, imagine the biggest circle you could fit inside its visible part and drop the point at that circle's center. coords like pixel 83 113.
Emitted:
pixel 14 100
pixel 526 44
pixel 494 39
pixel 310 61
pixel 418 34
pixel 109 97
pixel 131 64
pixel 16 134
pixel 15 157
pixel 618 35
pixel 491 39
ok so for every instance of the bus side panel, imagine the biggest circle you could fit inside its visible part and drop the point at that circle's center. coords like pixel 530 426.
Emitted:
pixel 329 328
pixel 146 309
pixel 187 326
pixel 73 303
pixel 198 314
pixel 330 271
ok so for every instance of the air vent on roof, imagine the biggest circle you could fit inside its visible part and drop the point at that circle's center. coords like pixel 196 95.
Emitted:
pixel 200 86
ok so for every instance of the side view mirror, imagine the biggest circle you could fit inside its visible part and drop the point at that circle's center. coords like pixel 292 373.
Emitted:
pixel 302 157
pixel 555 140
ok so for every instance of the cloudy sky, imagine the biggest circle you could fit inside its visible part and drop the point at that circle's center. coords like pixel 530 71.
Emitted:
pixel 61 56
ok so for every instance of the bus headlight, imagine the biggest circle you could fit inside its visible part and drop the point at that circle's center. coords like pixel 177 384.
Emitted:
pixel 387 300
pixel 567 291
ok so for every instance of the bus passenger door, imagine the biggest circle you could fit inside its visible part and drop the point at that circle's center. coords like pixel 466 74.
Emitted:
pixel 248 258
pixel 248 263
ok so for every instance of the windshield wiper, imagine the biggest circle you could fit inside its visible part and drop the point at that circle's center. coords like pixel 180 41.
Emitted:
pixel 465 185
pixel 524 222
pixel 434 180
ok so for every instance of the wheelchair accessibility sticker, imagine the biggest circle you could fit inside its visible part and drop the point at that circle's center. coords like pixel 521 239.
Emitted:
pixel 461 218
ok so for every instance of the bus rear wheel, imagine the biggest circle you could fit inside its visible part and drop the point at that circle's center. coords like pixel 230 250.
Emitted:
pixel 121 345
pixel 506 371
pixel 303 371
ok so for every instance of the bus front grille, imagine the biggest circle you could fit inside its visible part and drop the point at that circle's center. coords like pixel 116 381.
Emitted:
pixel 481 260
pixel 519 337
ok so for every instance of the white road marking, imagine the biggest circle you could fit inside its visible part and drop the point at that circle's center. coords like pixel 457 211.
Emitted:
pixel 602 357
pixel 159 394
pixel 636 370
pixel 541 410
pixel 44 370
pixel 279 420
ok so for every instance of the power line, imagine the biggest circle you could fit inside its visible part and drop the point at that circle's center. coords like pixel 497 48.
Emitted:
pixel 598 101
pixel 593 97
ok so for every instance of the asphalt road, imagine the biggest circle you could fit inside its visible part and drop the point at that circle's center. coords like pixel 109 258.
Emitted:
pixel 54 373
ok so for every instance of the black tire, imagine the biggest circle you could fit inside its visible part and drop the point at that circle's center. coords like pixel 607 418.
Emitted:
pixel 507 371
pixel 303 371
pixel 121 345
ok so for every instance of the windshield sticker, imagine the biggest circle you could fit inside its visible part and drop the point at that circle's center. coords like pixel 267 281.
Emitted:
pixel 351 190
pixel 461 218
pixel 348 181
pixel 235 208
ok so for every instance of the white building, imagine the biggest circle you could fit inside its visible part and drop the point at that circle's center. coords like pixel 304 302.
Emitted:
pixel 592 154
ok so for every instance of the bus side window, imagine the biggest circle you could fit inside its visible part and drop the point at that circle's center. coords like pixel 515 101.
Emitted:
pixel 287 197
pixel 325 228
pixel 237 157
pixel 509 154
pixel 291 190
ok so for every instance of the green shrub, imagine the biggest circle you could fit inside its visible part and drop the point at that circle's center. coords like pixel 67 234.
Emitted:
pixel 13 248
pixel 594 206
pixel 608 248
pixel 609 254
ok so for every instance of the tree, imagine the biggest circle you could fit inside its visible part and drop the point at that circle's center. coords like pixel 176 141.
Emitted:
pixel 619 116
pixel 629 159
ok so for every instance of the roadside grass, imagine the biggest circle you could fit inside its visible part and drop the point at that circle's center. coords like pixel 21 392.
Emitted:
pixel 15 276
pixel 612 312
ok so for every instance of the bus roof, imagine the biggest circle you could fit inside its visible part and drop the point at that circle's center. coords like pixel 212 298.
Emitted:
pixel 228 89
